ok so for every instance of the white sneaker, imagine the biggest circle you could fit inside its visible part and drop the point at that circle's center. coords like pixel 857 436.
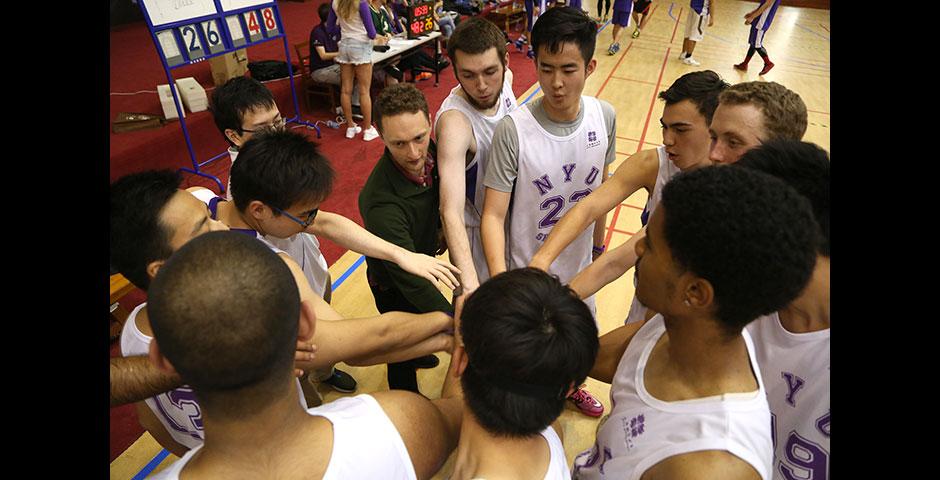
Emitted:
pixel 370 134
pixel 353 131
pixel 682 56
pixel 690 61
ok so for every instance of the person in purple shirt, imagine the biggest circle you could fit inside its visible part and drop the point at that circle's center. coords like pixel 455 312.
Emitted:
pixel 621 21
pixel 759 19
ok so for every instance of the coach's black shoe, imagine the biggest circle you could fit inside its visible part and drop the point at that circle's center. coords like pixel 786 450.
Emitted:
pixel 427 361
pixel 341 381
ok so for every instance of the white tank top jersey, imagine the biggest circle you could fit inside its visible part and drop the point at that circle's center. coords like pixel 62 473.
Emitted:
pixel 666 171
pixel 557 462
pixel 365 443
pixel 641 430
pixel 554 174
pixel 304 248
pixel 795 367
pixel 177 409
pixel 483 128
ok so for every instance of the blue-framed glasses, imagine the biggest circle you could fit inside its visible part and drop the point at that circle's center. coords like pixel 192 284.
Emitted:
pixel 303 223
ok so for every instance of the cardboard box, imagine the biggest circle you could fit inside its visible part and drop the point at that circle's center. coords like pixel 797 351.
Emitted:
pixel 231 65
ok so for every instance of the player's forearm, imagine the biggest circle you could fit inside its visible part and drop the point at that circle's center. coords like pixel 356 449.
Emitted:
pixel 600 230
pixel 134 379
pixel 494 243
pixel 605 269
pixel 458 247
pixel 349 234
pixel 396 335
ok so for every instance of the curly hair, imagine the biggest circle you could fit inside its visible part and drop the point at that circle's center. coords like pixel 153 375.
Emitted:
pixel 805 167
pixel 784 112
pixel 748 234
pixel 397 99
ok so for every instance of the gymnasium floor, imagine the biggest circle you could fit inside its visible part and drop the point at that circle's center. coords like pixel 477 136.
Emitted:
pixel 798 42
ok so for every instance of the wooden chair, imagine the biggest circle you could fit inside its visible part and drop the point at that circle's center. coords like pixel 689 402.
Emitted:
pixel 309 87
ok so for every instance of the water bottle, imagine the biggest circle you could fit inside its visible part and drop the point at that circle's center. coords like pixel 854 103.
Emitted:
pixel 332 124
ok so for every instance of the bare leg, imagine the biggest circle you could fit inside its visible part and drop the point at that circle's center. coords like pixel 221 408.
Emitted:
pixel 618 30
pixel 364 77
pixel 347 79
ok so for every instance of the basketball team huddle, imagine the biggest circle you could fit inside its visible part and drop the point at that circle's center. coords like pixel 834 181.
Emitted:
pixel 720 369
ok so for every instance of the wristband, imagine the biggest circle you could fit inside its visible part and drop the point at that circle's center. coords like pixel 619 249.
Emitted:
pixel 599 250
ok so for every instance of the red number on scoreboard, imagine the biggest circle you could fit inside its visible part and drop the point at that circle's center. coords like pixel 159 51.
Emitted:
pixel 269 22
pixel 253 26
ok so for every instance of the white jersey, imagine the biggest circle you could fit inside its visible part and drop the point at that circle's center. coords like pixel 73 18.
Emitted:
pixel 795 367
pixel 666 171
pixel 483 127
pixel 558 462
pixel 641 430
pixel 232 155
pixel 304 248
pixel 177 409
pixel 365 443
pixel 554 174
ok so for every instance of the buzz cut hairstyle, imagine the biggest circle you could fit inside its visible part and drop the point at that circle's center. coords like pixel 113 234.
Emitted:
pixel 225 310
pixel 398 99
pixel 234 99
pixel 561 25
pixel 528 339
pixel 751 236
pixel 701 88
pixel 475 36
pixel 784 112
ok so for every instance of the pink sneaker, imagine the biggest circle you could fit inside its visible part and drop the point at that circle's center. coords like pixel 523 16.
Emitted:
pixel 586 402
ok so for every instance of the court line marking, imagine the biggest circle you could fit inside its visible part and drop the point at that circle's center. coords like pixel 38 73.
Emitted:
pixel 152 465
pixel 814 32
pixel 633 80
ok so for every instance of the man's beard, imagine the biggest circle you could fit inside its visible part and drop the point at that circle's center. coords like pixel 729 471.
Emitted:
pixel 480 106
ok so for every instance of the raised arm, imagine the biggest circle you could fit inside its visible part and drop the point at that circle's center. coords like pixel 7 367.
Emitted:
pixel 638 171
pixel 606 268
pixel 455 138
pixel 351 235
pixel 134 379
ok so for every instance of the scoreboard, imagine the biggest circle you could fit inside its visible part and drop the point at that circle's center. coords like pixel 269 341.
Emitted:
pixel 420 19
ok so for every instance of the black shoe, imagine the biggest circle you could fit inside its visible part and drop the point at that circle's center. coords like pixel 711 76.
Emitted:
pixel 341 381
pixel 395 72
pixel 427 361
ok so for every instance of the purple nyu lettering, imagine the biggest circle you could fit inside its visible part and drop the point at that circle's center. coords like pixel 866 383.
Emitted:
pixel 805 460
pixel 794 384
pixel 592 175
pixel 544 184
pixel 568 169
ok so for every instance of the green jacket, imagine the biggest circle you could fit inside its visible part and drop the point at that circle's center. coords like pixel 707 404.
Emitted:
pixel 408 215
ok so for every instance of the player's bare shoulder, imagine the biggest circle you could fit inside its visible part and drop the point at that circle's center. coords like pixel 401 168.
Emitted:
pixel 455 132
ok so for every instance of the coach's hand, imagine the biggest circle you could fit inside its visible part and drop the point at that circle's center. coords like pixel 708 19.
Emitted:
pixel 428 267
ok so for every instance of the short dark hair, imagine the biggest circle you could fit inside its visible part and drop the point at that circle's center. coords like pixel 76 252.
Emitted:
pixel 803 166
pixel 224 310
pixel 700 88
pixel 747 233
pixel 235 98
pixel 784 112
pixel 280 168
pixel 324 12
pixel 528 339
pixel 562 25
pixel 397 99
pixel 137 236
pixel 474 36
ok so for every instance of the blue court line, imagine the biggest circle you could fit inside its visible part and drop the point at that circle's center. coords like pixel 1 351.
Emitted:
pixel 152 465
pixel 813 32
pixel 352 268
